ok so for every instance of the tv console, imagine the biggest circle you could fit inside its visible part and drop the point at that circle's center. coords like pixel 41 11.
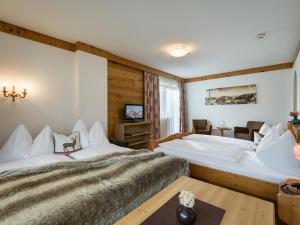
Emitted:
pixel 136 134
pixel 132 121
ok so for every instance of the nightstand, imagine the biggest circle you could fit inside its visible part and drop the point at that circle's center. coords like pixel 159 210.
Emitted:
pixel 289 206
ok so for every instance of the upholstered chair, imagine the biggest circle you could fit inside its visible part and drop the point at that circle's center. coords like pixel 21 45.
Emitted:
pixel 247 133
pixel 202 127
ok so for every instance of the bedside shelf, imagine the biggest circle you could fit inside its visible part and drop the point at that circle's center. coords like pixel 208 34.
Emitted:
pixel 137 135
pixel 138 143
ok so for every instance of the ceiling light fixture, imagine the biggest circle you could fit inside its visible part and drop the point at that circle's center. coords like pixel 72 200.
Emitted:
pixel 180 51
pixel 261 36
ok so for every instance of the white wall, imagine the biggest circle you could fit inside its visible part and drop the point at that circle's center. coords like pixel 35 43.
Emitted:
pixel 62 86
pixel 274 99
pixel 92 71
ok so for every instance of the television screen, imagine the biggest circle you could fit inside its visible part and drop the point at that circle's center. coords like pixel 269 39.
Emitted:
pixel 134 112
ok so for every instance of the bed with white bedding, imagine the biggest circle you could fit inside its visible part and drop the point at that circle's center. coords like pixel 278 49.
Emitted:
pixel 247 165
pixel 109 174
pixel 229 162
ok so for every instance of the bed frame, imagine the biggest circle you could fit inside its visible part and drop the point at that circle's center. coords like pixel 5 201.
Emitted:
pixel 247 185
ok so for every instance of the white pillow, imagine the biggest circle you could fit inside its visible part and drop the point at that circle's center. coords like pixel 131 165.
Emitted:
pixel 264 129
pixel 279 127
pixel 280 155
pixel 271 136
pixel 72 141
pixel 97 135
pixel 43 143
pixel 257 139
pixel 17 146
pixel 84 135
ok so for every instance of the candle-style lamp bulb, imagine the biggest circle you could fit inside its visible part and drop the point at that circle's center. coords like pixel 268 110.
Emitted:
pixel 4 87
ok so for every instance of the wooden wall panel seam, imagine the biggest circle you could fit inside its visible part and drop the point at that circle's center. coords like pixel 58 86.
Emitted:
pixel 242 72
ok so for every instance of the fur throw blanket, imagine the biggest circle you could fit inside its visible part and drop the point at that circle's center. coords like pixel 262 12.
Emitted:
pixel 96 191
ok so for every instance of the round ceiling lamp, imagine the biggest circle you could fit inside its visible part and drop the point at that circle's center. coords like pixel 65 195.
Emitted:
pixel 180 51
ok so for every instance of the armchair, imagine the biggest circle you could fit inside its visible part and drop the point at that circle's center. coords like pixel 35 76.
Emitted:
pixel 247 133
pixel 202 127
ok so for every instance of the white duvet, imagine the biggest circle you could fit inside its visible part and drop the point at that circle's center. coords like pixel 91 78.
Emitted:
pixel 33 162
pixel 86 153
pixel 198 149
pixel 249 165
pixel 224 141
pixel 97 150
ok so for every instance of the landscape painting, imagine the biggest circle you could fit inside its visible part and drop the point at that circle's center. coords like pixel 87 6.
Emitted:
pixel 231 95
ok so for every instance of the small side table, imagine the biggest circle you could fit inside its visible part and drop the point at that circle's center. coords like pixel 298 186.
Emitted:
pixel 289 206
pixel 222 129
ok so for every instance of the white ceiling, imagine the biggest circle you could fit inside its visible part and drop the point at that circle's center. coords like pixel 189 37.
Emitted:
pixel 222 33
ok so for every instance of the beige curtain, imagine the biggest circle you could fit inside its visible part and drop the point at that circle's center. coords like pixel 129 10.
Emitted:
pixel 151 102
pixel 182 107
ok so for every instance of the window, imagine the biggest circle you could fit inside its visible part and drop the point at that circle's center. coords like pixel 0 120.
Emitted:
pixel 169 106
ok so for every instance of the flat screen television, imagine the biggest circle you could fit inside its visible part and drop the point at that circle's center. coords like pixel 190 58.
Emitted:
pixel 134 112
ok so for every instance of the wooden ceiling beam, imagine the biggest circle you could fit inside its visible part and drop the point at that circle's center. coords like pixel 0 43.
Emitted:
pixel 242 72
pixel 35 36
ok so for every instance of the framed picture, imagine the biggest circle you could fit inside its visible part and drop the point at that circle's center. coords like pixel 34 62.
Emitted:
pixel 231 95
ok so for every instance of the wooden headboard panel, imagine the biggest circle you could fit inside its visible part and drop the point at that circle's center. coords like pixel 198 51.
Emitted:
pixel 154 143
pixel 295 129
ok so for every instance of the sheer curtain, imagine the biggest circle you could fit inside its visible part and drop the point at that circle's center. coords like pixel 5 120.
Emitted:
pixel 169 106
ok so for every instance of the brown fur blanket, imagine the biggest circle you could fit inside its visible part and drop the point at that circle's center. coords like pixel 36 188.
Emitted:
pixel 96 191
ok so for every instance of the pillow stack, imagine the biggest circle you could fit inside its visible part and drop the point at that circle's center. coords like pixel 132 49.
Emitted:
pixel 276 150
pixel 20 144
pixel 17 146
pixel 258 136
pixel 264 130
pixel 96 135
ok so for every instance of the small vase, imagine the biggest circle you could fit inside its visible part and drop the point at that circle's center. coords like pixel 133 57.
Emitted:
pixel 185 215
pixel 295 120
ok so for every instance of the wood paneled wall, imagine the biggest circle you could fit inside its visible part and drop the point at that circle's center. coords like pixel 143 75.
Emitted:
pixel 125 85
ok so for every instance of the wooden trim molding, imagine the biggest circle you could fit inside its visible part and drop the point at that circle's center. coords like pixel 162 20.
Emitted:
pixel 297 52
pixel 45 39
pixel 35 36
pixel 242 72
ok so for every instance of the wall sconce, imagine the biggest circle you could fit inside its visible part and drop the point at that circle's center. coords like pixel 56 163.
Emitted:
pixel 13 94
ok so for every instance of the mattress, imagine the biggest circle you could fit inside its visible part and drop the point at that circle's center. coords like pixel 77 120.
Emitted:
pixel 33 162
pixel 225 141
pixel 97 150
pixel 249 165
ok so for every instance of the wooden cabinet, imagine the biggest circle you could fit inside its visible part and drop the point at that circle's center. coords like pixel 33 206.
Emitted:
pixel 289 206
pixel 136 134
